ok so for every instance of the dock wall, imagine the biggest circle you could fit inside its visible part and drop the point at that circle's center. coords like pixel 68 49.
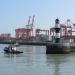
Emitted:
pixel 57 48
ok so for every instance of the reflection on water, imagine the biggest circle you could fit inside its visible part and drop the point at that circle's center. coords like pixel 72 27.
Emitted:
pixel 34 61
pixel 62 63
pixel 55 60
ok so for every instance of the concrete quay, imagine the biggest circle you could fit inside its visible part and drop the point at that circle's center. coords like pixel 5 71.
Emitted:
pixel 60 48
pixel 25 43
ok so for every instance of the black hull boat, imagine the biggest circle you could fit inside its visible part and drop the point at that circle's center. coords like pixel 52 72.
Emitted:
pixel 7 50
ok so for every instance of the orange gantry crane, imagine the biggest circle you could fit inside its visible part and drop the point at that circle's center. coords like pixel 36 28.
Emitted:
pixel 27 32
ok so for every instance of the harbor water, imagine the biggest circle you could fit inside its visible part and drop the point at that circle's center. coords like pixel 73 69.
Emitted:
pixel 35 61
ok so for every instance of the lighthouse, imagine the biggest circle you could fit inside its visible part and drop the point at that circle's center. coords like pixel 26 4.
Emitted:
pixel 57 31
pixel 56 47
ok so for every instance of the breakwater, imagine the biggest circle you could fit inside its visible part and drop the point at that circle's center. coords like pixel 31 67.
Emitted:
pixel 57 48
pixel 25 43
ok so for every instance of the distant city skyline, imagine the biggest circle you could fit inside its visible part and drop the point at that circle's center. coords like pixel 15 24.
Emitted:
pixel 15 13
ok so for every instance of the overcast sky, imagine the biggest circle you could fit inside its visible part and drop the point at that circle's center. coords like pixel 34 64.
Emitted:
pixel 14 13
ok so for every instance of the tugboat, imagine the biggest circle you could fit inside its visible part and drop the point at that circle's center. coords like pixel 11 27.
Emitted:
pixel 12 49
